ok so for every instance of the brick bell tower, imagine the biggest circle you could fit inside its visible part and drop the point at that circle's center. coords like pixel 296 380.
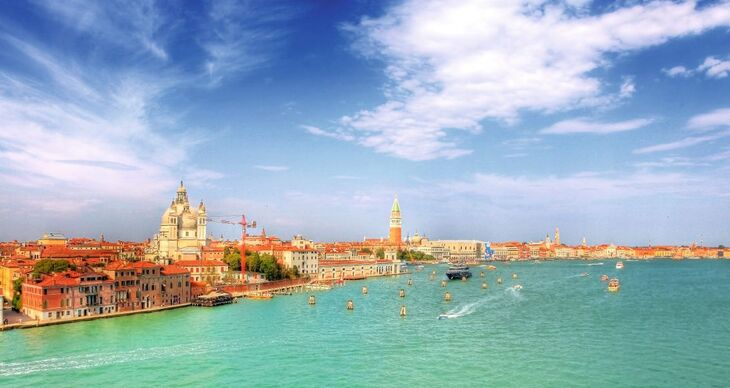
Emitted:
pixel 395 224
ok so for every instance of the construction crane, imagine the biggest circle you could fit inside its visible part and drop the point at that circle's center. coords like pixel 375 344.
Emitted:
pixel 244 229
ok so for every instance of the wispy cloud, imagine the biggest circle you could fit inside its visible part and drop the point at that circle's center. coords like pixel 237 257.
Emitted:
pixel 245 36
pixel 451 66
pixel 321 132
pixel 671 162
pixel 135 25
pixel 683 143
pixel 712 68
pixel 270 168
pixel 710 120
pixel 582 125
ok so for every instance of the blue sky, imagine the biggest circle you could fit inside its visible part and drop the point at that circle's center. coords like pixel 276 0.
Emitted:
pixel 489 120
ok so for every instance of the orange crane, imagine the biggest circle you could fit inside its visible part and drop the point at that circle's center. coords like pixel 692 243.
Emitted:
pixel 244 227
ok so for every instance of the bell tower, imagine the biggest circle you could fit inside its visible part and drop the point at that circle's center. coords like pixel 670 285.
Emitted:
pixel 395 236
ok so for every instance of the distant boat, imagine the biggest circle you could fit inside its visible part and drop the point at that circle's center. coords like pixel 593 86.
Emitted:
pixel 619 265
pixel 458 272
pixel 264 295
pixel 604 278
pixel 491 267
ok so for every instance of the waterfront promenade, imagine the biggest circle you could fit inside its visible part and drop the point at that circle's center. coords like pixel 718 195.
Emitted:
pixel 31 323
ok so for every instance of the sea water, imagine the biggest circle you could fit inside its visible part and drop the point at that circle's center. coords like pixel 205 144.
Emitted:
pixel 668 326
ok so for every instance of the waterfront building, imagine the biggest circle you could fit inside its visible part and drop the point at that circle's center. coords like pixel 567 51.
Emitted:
pixel 306 260
pixel 357 269
pixel 182 230
pixel 208 271
pixel 142 285
pixel 462 250
pixel 395 237
pixel 10 270
pixel 67 295
pixel 126 285
pixel 175 285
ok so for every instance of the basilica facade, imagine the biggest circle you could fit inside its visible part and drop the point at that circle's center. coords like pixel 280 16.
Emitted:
pixel 182 230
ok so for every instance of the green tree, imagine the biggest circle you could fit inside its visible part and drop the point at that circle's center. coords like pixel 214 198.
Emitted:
pixel 49 266
pixel 232 257
pixel 18 288
pixel 380 253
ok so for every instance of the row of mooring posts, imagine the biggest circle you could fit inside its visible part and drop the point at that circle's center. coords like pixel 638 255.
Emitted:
pixel 402 293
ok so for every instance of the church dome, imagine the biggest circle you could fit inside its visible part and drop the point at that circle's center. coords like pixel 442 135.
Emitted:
pixel 169 212
pixel 188 219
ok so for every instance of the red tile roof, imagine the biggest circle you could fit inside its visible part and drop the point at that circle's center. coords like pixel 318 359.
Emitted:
pixel 200 263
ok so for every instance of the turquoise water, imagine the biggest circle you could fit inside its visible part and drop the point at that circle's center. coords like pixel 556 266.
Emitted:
pixel 668 326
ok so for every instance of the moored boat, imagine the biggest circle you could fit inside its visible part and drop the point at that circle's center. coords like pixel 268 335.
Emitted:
pixel 614 285
pixel 619 265
pixel 260 295
pixel 458 272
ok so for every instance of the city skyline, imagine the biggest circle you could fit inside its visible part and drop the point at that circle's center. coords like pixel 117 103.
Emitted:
pixel 499 123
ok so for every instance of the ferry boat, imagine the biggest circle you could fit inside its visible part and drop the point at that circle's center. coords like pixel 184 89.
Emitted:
pixel 620 265
pixel 458 272
pixel 262 296
pixel 613 285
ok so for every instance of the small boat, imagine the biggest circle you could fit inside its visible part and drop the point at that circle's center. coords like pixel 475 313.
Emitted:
pixel 458 273
pixel 517 287
pixel 260 296
pixel 604 278
pixel 419 268
pixel 619 265
pixel 491 267
pixel 613 285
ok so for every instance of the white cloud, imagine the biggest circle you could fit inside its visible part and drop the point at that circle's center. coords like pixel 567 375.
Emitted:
pixel 715 68
pixel 272 168
pixel 677 71
pixel 68 127
pixel 582 125
pixel 683 143
pixel 710 120
pixel 452 65
pixel 711 67
pixel 628 88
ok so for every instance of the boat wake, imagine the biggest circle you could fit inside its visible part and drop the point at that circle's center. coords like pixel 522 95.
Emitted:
pixel 94 360
pixel 515 292
pixel 592 264
pixel 464 310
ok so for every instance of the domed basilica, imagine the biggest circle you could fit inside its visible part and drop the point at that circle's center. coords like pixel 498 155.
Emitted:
pixel 182 229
